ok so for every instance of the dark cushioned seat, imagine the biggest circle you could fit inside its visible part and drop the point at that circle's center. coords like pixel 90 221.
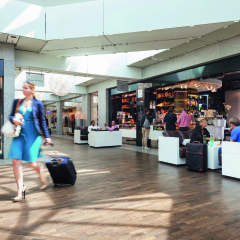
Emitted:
pixel 182 152
pixel 84 132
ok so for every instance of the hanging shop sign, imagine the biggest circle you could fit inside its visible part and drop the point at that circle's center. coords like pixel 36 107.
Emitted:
pixel 37 79
pixel 122 86
pixel 140 93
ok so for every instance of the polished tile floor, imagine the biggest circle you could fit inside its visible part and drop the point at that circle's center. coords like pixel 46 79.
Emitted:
pixel 121 194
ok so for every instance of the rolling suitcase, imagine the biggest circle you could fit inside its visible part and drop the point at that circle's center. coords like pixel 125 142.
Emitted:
pixel 61 169
pixel 196 157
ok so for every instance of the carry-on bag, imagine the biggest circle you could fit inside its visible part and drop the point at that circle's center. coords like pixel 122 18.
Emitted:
pixel 61 169
pixel 196 157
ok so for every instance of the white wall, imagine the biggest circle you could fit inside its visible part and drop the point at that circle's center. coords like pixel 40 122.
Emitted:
pixel 23 19
pixel 232 98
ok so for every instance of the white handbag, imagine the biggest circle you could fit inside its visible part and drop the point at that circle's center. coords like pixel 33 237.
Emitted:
pixel 9 129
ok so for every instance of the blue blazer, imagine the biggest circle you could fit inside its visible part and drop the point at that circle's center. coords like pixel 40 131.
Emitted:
pixel 38 115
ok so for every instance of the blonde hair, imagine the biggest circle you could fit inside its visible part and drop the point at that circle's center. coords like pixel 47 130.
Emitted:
pixel 203 120
pixel 31 85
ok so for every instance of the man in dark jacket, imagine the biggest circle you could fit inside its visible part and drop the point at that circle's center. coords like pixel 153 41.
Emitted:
pixel 145 128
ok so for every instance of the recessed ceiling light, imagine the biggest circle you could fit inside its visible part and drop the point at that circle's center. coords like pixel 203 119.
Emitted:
pixel 225 26
pixel 192 26
pixel 149 30
pixel 199 36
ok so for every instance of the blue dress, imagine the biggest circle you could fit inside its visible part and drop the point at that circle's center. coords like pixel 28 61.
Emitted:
pixel 27 145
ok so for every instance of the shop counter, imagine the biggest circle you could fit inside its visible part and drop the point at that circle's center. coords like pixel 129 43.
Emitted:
pixel 128 133
pixel 153 134
pixel 104 138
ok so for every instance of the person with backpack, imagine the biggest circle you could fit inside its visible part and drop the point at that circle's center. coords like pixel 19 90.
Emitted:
pixel 145 128
pixel 170 120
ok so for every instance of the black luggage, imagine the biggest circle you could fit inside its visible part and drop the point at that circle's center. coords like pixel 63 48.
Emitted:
pixel 61 170
pixel 196 157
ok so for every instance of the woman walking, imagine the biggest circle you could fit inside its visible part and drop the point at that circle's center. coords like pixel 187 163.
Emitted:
pixel 27 145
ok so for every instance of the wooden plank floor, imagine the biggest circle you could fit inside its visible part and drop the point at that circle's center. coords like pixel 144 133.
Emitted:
pixel 121 194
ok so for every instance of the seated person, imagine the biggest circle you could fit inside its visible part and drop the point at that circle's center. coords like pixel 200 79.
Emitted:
pixel 92 126
pixel 235 135
pixel 114 126
pixel 199 131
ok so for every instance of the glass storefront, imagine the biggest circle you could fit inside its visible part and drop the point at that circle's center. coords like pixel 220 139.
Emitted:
pixel 72 109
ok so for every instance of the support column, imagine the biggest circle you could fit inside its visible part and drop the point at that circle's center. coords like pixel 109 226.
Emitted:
pixel 102 107
pixel 7 54
pixel 59 118
pixel 86 109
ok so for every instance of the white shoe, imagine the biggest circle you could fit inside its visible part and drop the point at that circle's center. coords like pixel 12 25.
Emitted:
pixel 147 148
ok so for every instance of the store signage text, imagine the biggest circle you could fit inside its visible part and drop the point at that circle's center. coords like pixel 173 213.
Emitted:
pixel 37 79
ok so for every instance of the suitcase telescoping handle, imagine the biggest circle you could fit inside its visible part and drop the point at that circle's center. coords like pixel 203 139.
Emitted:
pixel 56 158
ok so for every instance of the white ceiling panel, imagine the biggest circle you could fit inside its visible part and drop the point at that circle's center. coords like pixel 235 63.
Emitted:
pixel 30 44
pixel 91 82
pixel 76 42
pixel 51 3
pixel 150 45
pixel 166 34
pixel 81 51
pixel 143 63
pixel 209 38
pixel 3 37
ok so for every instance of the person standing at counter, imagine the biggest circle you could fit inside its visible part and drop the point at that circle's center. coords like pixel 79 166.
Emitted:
pixel 145 128
pixel 170 119
pixel 200 131
pixel 184 120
